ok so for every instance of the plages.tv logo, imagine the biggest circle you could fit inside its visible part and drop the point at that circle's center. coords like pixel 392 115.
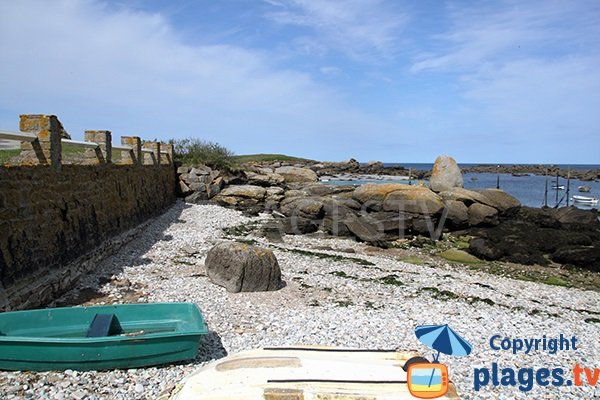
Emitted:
pixel 429 380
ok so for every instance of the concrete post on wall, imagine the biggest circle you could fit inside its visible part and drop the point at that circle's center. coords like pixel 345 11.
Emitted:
pixel 154 157
pixel 46 150
pixel 103 153
pixel 169 156
pixel 135 155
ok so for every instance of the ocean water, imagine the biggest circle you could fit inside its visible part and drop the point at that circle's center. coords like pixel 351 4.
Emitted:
pixel 529 190
pixel 428 166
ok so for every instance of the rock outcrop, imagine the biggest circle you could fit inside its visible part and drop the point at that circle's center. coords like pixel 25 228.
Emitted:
pixel 445 174
pixel 296 174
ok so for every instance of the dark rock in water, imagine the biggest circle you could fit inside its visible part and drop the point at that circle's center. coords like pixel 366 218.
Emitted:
pixel 584 257
pixel 484 249
pixel 576 216
pixel 239 267
pixel 480 214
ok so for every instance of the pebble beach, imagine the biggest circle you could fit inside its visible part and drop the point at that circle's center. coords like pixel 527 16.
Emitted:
pixel 337 293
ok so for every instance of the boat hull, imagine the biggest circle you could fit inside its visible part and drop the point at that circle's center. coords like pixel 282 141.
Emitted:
pixel 307 373
pixel 54 339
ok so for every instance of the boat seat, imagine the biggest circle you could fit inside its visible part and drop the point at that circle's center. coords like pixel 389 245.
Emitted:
pixel 100 325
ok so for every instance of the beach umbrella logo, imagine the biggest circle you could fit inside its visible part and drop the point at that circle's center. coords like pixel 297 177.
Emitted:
pixel 443 339
pixel 427 380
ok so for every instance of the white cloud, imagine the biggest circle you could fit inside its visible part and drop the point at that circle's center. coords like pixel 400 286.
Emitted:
pixel 527 69
pixel 365 30
pixel 98 67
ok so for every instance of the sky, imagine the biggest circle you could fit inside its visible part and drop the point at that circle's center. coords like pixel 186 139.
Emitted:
pixel 396 81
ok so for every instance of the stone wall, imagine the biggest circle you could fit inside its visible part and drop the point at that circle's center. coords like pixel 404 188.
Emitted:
pixel 56 222
pixel 49 219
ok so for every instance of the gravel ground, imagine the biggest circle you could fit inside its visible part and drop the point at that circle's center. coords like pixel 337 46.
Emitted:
pixel 332 297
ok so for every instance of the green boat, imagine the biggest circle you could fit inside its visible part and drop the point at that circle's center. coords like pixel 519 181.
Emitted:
pixel 100 337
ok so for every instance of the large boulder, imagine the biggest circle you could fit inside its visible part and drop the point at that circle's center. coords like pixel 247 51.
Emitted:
pixel 464 195
pixel 457 213
pixel 296 174
pixel 445 174
pixel 483 248
pixel 365 228
pixel 585 257
pixel 303 214
pixel 413 199
pixel 501 201
pixel 373 194
pixel 241 196
pixel 264 179
pixel 239 267
pixel 480 214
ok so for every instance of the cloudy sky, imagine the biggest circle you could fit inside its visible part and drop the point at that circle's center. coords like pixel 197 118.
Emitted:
pixel 398 81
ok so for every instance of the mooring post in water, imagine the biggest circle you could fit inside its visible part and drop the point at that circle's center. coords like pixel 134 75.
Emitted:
pixel 498 177
pixel 556 187
pixel 546 190
pixel 568 185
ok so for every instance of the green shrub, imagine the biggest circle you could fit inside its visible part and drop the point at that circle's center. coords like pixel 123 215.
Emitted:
pixel 193 151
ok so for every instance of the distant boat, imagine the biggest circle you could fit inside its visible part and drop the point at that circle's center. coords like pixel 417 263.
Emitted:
pixel 558 187
pixel 585 200
pixel 474 178
pixel 520 174
pixel 585 189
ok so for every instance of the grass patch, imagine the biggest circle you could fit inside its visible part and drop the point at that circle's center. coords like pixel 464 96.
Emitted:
pixel 314 303
pixel 6 155
pixel 412 260
pixel 265 158
pixel 342 274
pixel 460 256
pixel 391 280
pixel 556 281
pixel 440 294
pixel 329 256
pixel 370 305
pixel 474 300
pixel 592 320
pixel 242 229
pixel 249 242
pixel 343 303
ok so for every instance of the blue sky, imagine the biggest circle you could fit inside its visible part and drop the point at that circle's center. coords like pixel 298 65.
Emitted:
pixel 397 81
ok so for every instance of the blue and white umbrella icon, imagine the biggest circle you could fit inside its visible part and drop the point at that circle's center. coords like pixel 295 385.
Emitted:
pixel 443 339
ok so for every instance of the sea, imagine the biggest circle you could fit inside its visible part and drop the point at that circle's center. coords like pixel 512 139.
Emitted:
pixel 530 190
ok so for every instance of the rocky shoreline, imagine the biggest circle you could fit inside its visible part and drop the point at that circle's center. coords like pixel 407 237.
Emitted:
pixel 383 214
pixel 353 168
